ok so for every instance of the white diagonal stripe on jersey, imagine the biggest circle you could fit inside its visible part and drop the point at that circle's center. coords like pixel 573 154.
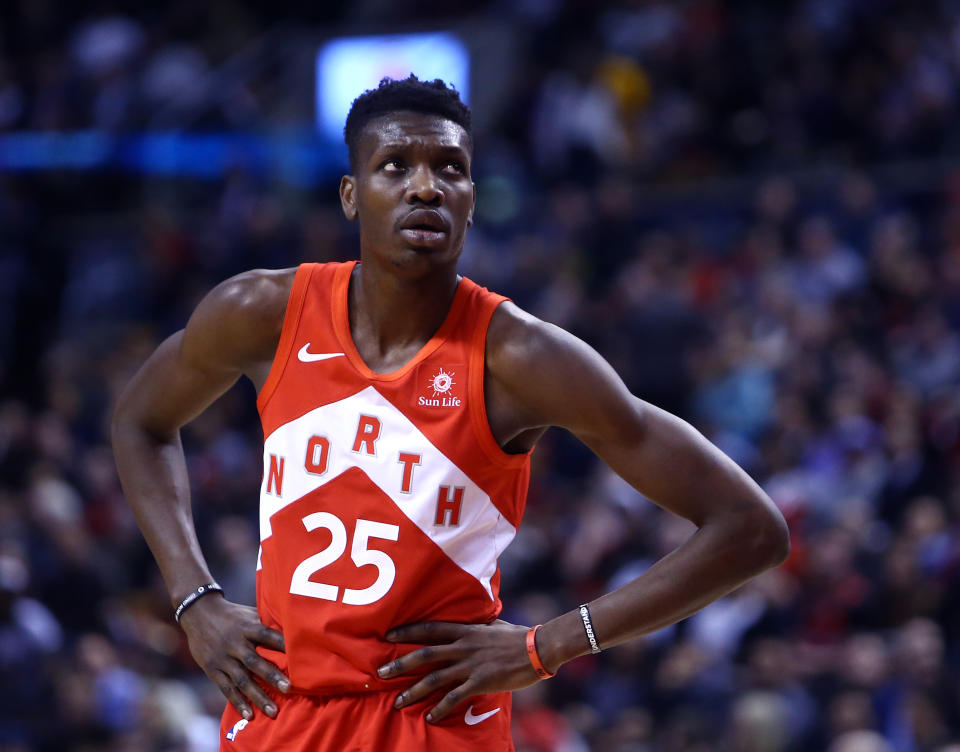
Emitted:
pixel 474 545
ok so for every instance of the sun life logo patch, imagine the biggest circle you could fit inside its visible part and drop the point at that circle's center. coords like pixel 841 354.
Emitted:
pixel 441 382
pixel 440 390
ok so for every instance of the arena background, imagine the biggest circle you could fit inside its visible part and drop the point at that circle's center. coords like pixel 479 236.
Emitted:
pixel 752 209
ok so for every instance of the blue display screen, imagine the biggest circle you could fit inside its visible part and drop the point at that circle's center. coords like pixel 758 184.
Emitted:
pixel 348 66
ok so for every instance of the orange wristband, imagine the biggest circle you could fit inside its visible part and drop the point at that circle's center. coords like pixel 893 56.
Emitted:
pixel 534 655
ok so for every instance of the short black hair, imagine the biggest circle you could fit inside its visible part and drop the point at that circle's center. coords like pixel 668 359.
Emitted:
pixel 404 95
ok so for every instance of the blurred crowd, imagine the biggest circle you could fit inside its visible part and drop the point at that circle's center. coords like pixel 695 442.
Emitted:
pixel 684 88
pixel 748 208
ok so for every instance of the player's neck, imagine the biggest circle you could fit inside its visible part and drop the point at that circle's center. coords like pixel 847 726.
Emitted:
pixel 387 310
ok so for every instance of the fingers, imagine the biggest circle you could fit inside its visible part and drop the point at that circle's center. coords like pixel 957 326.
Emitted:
pixel 429 632
pixel 271 638
pixel 421 657
pixel 453 698
pixel 223 639
pixel 428 684
pixel 240 689
pixel 265 670
pixel 226 686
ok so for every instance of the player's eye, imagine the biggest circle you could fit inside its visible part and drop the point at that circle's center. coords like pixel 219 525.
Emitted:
pixel 392 165
pixel 455 166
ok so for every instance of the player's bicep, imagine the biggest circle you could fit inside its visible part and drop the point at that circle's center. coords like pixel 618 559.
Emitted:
pixel 556 379
pixel 171 388
pixel 563 382
pixel 589 399
pixel 235 326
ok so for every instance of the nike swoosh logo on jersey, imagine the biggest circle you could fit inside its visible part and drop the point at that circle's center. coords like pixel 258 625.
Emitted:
pixel 472 720
pixel 309 357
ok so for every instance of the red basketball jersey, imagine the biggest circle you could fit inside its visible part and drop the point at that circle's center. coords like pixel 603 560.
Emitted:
pixel 385 498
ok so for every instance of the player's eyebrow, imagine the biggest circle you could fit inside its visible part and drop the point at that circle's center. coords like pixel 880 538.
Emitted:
pixel 401 145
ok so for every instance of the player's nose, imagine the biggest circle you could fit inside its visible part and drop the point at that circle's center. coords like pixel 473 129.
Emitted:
pixel 423 187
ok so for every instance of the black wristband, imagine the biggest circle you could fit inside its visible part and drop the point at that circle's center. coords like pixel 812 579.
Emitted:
pixel 588 628
pixel 210 587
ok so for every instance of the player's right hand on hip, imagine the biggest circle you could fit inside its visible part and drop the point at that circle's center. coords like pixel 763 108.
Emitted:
pixel 223 637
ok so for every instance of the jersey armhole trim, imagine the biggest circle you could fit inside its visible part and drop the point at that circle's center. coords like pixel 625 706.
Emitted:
pixel 291 322
pixel 478 404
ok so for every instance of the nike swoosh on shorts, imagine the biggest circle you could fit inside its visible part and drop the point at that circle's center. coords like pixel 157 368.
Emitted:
pixel 472 720
pixel 308 357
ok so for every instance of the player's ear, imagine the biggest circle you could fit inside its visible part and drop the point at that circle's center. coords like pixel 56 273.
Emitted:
pixel 348 197
pixel 472 206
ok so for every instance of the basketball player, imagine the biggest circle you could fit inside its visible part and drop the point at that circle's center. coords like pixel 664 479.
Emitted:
pixel 400 403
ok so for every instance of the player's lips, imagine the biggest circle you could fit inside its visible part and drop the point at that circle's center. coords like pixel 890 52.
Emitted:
pixel 424 227
pixel 425 219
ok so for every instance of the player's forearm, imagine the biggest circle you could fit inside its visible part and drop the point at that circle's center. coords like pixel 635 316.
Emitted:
pixel 719 557
pixel 154 477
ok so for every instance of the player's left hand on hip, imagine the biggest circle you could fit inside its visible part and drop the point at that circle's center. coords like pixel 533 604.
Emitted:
pixel 480 658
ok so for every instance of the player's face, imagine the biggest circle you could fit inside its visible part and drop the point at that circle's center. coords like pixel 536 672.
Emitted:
pixel 411 191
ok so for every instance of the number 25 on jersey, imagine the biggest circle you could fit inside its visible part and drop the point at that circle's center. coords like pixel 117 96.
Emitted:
pixel 301 584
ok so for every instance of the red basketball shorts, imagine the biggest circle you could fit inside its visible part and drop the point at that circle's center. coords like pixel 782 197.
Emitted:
pixel 369 723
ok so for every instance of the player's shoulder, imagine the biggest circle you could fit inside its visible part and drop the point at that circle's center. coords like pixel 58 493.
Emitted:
pixel 543 373
pixel 510 326
pixel 239 321
pixel 518 341
pixel 258 293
